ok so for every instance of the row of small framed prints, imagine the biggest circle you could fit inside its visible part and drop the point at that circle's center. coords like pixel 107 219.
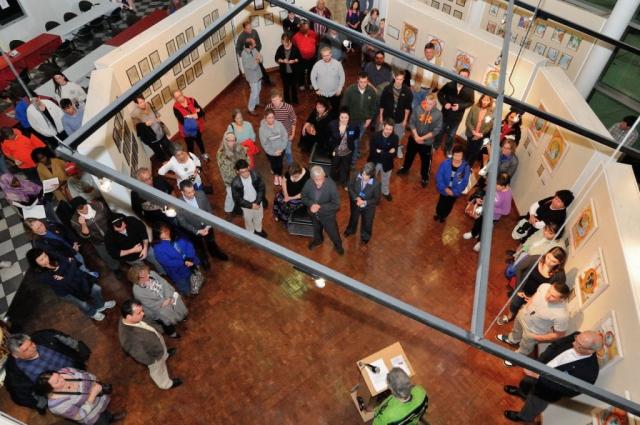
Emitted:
pixel 446 8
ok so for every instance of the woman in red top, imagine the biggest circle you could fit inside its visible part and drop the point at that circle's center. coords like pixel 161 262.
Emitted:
pixel 186 109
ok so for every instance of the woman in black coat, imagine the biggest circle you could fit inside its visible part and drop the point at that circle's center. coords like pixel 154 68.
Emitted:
pixel 288 59
pixel 316 128
pixel 342 136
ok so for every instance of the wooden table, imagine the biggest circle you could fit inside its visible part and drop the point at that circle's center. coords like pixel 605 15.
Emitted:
pixel 66 30
pixel 137 28
pixel 29 56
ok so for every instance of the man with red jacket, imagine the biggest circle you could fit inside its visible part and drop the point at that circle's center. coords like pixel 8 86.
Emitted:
pixel 306 41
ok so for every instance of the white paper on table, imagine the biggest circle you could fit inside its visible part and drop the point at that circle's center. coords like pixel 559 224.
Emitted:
pixel 379 380
pixel 36 211
pixel 398 361
pixel 49 185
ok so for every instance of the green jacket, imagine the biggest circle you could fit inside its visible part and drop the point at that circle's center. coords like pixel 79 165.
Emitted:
pixel 361 106
pixel 392 410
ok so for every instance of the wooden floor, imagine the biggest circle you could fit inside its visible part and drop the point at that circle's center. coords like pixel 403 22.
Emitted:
pixel 262 345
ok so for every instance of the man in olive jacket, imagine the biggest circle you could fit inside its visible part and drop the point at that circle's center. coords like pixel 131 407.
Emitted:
pixel 142 340
pixel 321 197
pixel 360 100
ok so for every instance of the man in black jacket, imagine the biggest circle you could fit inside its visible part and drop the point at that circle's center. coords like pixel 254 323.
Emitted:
pixel 382 153
pixel 247 189
pixel 148 210
pixel 321 197
pixel 30 356
pixel 127 240
pixel 454 98
pixel 364 193
pixel 574 354
pixel 395 103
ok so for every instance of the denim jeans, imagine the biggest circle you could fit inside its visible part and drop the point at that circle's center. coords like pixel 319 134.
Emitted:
pixel 356 142
pixel 449 131
pixel 254 96
pixel 288 154
pixel 386 178
pixel 90 306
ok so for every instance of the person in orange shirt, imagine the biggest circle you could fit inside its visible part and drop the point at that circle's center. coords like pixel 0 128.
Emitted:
pixel 18 147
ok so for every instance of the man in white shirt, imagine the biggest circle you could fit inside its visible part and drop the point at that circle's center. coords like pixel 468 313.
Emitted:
pixel 544 318
pixel 248 190
pixel 574 354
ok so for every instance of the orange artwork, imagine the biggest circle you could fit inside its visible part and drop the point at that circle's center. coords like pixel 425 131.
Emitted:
pixel 555 150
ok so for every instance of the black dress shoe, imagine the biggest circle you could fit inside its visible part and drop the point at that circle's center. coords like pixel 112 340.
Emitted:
pixel 402 171
pixel 513 390
pixel 364 242
pixel 388 197
pixel 172 351
pixel 220 255
pixel 347 233
pixel 512 415
pixel 339 250
pixel 176 383
pixel 314 244
pixel 424 183
pixel 118 416
pixel 261 234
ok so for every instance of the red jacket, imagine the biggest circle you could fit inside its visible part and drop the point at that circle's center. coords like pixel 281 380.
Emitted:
pixel 306 43
pixel 21 147
pixel 180 111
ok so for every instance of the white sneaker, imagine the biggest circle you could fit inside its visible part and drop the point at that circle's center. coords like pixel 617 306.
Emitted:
pixel 107 305
pixel 98 317
pixel 400 154
pixel 467 236
pixel 476 247
pixel 205 157
pixel 5 264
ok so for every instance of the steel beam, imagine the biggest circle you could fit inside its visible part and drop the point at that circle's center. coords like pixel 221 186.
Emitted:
pixel 344 281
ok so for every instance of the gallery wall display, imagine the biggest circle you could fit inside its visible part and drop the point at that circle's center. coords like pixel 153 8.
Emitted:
pixel 455 8
pixel 409 38
pixel 491 77
pixel 555 150
pixel 463 60
pixel 538 126
pixel 166 95
pixel 611 351
pixel 584 226
pixel 592 280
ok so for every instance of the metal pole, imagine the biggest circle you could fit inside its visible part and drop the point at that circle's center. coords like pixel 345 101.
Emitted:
pixel 359 288
pixel 482 273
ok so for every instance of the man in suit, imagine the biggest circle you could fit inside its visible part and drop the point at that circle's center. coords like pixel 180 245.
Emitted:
pixel 321 197
pixel 364 193
pixel 247 189
pixel 455 98
pixel 201 235
pixel 574 354
pixel 142 340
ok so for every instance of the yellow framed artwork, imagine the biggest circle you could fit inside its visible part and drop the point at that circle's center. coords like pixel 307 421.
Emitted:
pixel 538 125
pixel 592 280
pixel 555 150
pixel 584 226
pixel 438 43
pixel 463 60
pixel 409 37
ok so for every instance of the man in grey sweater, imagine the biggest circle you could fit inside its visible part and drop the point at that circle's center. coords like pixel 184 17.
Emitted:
pixel 327 78
pixel 248 33
pixel 251 60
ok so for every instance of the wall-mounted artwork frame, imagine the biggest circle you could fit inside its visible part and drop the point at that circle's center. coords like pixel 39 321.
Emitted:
pixel 491 27
pixel 574 43
pixel 613 415
pixel 156 103
pixel 222 51
pixel 540 48
pixel 461 3
pixel 147 92
pixel 493 9
pixel 555 150
pixel 154 59
pixel 584 226
pixel 268 19
pixel 463 60
pixel 393 32
pixel 540 30
pixel 435 4
pixel 133 75
pixel 189 33
pixel 565 61
pixel 117 138
pixel 145 67
pixel 538 125
pixel 558 35
pixel 166 95
pixel 283 15
pixel 255 21
pixel 491 76
pixel 611 352
pixel 189 75
pixel 208 44
pixel 552 54
pixel 157 84
pixel 215 57
pixel 222 33
pixel 215 15
pixel 457 14
pixel 171 49
pixel 180 82
pixel 409 37
pixel 197 68
pixel 258 4
pixel 207 20
pixel 592 280
pixel 117 121
pixel 446 8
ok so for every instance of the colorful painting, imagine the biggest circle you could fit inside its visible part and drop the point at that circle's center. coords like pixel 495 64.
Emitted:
pixel 540 48
pixel 574 43
pixel 463 60
pixel 491 27
pixel 409 37
pixel 611 351
pixel 539 30
pixel 584 226
pixel 558 35
pixel 493 9
pixel 592 281
pixel 438 43
pixel 565 61
pixel 539 125
pixel 491 77
pixel 613 415
pixel 552 54
pixel 555 150
pixel 393 32
pixel 523 22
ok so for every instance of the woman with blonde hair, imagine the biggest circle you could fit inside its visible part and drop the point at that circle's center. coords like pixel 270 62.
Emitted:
pixel 229 152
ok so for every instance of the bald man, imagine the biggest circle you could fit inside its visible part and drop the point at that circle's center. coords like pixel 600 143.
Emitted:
pixel 574 354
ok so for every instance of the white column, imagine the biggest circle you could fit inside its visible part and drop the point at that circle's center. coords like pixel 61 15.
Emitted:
pixel 615 26
pixel 476 13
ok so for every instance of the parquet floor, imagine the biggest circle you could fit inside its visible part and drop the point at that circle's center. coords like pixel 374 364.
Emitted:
pixel 262 345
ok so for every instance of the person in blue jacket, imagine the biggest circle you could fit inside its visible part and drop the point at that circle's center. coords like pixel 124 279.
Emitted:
pixel 176 254
pixel 451 179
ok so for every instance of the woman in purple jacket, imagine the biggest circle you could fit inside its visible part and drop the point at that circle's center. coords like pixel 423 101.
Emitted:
pixel 451 179
pixel 502 207
pixel 176 255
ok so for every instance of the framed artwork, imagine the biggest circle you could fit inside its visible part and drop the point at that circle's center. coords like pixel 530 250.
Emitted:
pixel 197 68
pixel 555 150
pixel 438 43
pixel 208 44
pixel 154 58
pixel 180 81
pixel 134 154
pixel 214 56
pixel 171 49
pixel 221 51
pixel 222 33
pixel 493 9
pixel 611 351
pixel 147 92
pixel 461 3
pixel 592 280
pixel 463 60
pixel 446 8
pixel 181 40
pixel 215 15
pixel 564 61
pixel 574 43
pixel 166 95
pixel 214 38
pixel 409 37
pixel 491 27
pixel 133 75
pixel 189 33
pixel 523 22
pixel 145 67
pixel 540 170
pixel 283 15
pixel 540 48
pixel 552 54
pixel 186 61
pixel 117 138
pixel 558 35
pixel 435 3
pixel 268 19
pixel 539 30
pixel 258 4
pixel 526 43
pixel 393 32
pixel 157 84
pixel 613 415
pixel 156 103
pixel 117 121
pixel 584 226
pixel 206 20
pixel 126 144
pixel 538 125
pixel 255 21
pixel 491 76
pixel 194 55
pixel 190 76
pixel 457 14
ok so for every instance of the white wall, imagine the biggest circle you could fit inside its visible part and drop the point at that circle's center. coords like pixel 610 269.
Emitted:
pixel 38 12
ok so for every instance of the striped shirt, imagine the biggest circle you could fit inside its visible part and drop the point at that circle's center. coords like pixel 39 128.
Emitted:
pixel 75 406
pixel 618 135
pixel 285 114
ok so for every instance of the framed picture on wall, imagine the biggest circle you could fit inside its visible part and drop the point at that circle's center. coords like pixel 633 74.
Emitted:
pixel 117 121
pixel 435 4
pixel 154 58
pixel 574 43
pixel 446 8
pixel 181 40
pixel 584 226
pixel 258 4
pixel 156 103
pixel 186 61
pixel 493 9
pixel 461 3
pixel 283 15
pixel 409 37
pixel 540 48
pixel 222 33
pixel 117 138
pixel 208 44
pixel 268 19
pixel 145 67
pixel 611 352
pixel 197 68
pixel 189 75
pixel 538 125
pixel 457 14
pixel 147 93
pixel 194 55
pixel 564 61
pixel 491 27
pixel 171 49
pixel 393 32
pixel 463 60
pixel 157 84
pixel 255 21
pixel 166 95
pixel 180 81
pixel 133 75
pixel 558 35
pixel 552 54
pixel 523 22
pixel 491 76
pixel 214 38
pixel 539 30
pixel 206 20
pixel 189 33
pixel 592 279
pixel 613 415
pixel 215 15
pixel 438 43
pixel 221 51
pixel 214 56
pixel 555 150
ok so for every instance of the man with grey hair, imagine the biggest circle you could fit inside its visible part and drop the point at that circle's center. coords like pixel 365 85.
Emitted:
pixel 31 355
pixel 574 354
pixel 364 194
pixel 321 197
pixel 406 404
pixel 327 78
pixel 146 210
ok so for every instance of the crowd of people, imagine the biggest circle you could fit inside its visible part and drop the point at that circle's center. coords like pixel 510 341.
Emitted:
pixel 371 116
